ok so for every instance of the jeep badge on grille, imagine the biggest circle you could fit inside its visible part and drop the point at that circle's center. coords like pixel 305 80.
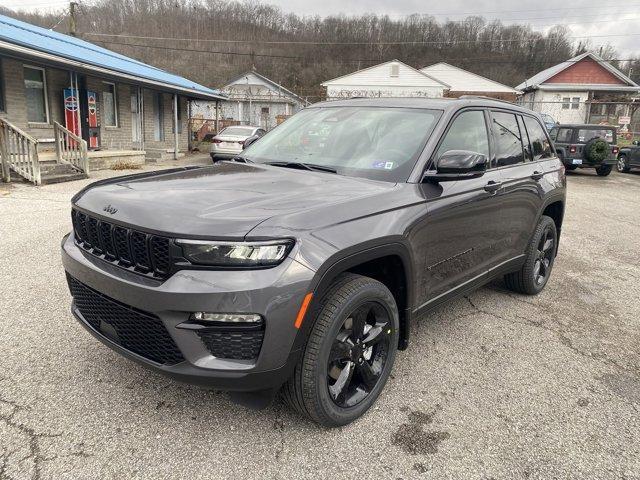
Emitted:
pixel 110 209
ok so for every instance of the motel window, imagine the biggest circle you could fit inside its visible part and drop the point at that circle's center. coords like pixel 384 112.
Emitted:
pixel 158 109
pixel 575 103
pixel 35 84
pixel 109 105
pixel 566 103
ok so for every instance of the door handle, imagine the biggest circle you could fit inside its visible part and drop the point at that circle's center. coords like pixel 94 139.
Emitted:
pixel 492 186
pixel 537 175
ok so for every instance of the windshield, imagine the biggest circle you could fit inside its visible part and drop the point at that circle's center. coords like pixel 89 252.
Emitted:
pixel 240 131
pixel 586 134
pixel 381 143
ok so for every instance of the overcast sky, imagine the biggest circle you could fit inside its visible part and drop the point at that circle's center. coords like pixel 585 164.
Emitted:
pixel 581 18
pixel 600 20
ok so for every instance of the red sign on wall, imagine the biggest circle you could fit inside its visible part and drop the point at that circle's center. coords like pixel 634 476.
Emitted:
pixel 92 109
pixel 71 106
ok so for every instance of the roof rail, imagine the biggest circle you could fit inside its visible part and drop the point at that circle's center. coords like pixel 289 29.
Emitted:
pixel 484 97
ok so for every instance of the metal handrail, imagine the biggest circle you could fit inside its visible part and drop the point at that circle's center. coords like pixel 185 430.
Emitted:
pixel 70 148
pixel 19 152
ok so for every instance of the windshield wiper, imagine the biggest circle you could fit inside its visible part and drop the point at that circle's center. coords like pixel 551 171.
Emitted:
pixel 303 166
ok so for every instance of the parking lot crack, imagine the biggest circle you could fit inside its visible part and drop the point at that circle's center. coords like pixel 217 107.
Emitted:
pixel 32 436
pixel 559 333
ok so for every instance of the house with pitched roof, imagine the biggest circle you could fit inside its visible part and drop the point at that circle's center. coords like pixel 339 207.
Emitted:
pixel 463 82
pixel 68 106
pixel 389 79
pixel 583 89
pixel 251 99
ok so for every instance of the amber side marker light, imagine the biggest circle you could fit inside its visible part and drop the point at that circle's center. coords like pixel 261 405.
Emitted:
pixel 303 309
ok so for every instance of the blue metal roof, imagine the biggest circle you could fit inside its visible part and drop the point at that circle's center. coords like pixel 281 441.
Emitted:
pixel 67 47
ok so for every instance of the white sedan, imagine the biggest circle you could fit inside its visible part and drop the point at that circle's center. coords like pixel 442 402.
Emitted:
pixel 229 142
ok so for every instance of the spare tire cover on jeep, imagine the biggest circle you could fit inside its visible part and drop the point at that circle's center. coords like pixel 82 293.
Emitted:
pixel 595 150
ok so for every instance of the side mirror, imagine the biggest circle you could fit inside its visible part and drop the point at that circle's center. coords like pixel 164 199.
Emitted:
pixel 458 165
pixel 249 141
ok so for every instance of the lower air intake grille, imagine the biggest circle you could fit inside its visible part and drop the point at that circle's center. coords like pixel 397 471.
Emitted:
pixel 235 345
pixel 140 332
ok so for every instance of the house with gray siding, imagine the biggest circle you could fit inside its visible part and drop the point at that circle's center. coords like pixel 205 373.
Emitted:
pixel 251 99
pixel 65 102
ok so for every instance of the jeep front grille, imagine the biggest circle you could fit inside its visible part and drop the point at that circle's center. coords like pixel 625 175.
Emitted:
pixel 132 249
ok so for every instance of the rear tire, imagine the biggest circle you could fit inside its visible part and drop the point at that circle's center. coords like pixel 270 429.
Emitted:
pixel 623 165
pixel 604 170
pixel 540 255
pixel 338 378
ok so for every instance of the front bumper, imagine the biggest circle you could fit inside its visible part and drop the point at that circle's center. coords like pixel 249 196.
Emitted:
pixel 274 293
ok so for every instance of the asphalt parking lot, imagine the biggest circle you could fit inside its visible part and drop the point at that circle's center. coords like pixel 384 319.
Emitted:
pixel 495 385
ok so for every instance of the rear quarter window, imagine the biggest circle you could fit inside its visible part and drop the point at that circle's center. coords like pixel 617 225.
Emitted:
pixel 586 134
pixel 564 135
pixel 540 145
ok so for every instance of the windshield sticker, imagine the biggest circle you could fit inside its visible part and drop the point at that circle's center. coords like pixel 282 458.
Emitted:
pixel 383 165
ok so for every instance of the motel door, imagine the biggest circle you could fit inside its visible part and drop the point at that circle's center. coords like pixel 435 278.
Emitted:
pixel 136 119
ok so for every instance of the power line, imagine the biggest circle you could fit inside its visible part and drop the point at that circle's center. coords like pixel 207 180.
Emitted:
pixel 485 60
pixel 304 42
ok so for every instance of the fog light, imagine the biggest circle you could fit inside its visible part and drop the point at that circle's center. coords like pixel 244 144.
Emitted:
pixel 226 317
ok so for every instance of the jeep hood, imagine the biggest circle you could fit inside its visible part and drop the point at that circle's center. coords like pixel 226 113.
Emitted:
pixel 225 200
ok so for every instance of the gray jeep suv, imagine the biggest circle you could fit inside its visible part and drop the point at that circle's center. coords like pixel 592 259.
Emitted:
pixel 299 266
pixel 586 146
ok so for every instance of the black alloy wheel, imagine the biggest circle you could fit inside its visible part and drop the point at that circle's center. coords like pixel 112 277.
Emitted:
pixel 540 256
pixel 349 354
pixel 622 165
pixel 358 354
pixel 545 254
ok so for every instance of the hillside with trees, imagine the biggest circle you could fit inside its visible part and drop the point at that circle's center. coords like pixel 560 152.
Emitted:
pixel 210 41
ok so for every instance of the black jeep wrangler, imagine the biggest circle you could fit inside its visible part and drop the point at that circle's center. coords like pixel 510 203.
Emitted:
pixel 586 146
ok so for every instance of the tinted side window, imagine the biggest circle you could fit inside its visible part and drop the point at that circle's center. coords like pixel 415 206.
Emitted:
pixel 467 132
pixel 564 135
pixel 554 134
pixel 539 141
pixel 508 139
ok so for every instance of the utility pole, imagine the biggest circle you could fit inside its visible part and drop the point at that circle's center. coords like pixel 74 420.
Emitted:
pixel 72 18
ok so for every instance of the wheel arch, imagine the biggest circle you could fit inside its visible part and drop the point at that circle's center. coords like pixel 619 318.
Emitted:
pixel 389 263
pixel 554 208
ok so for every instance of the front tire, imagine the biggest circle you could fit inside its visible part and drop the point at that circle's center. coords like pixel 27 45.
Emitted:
pixel 622 166
pixel 540 255
pixel 349 354
pixel 604 170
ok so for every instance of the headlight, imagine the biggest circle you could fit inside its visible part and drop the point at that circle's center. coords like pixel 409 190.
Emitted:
pixel 240 254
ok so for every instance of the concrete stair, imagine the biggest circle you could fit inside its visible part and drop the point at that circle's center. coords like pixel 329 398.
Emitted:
pixel 52 172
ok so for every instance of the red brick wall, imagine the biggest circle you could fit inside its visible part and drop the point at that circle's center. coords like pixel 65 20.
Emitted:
pixel 586 71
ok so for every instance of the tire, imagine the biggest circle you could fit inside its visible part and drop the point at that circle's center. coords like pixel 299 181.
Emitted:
pixel 527 280
pixel 311 389
pixel 604 170
pixel 622 166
